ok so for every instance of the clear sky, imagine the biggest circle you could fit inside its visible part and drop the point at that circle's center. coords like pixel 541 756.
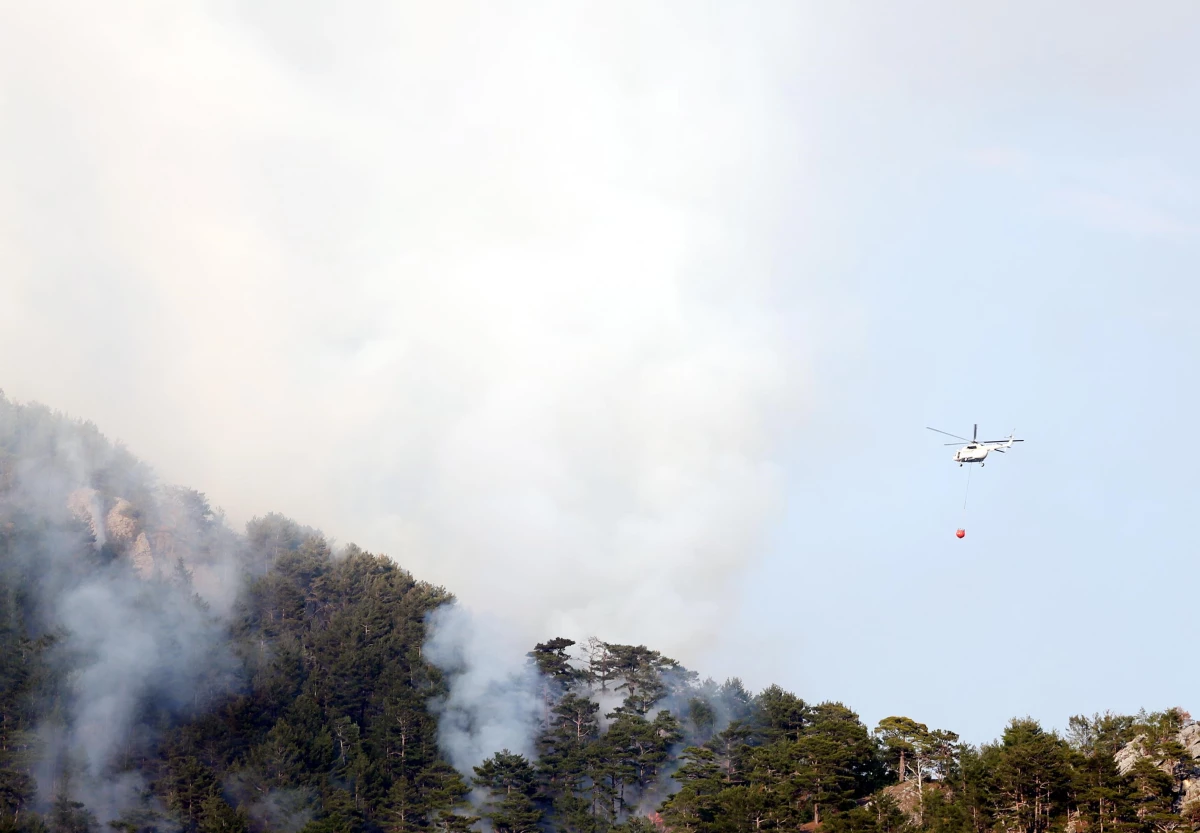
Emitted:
pixel 630 321
pixel 1025 228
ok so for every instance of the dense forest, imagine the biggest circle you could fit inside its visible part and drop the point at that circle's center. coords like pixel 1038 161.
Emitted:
pixel 161 672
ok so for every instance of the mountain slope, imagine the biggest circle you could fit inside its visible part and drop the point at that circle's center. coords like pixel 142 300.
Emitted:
pixel 161 672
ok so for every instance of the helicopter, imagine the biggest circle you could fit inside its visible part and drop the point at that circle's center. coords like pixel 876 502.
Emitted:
pixel 975 451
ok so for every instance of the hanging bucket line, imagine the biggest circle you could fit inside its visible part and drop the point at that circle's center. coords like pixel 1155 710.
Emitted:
pixel 962 529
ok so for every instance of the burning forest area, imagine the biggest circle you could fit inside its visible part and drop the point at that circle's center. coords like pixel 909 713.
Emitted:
pixel 161 672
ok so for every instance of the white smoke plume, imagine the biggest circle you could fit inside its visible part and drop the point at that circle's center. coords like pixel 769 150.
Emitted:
pixel 493 701
pixel 284 810
pixel 528 296
pixel 608 700
pixel 495 292
pixel 132 637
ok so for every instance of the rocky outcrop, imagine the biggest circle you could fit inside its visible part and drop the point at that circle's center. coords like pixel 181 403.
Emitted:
pixel 142 557
pixel 122 523
pixel 85 505
pixel 908 797
pixel 121 526
pixel 1189 738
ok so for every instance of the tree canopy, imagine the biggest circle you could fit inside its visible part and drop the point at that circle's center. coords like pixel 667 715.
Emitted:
pixel 144 689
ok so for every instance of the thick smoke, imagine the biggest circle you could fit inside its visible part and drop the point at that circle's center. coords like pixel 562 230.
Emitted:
pixel 498 700
pixel 113 580
pixel 132 646
pixel 493 701
pixel 608 699
pixel 495 294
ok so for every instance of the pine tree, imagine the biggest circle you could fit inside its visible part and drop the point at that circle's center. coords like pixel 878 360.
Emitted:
pixel 1030 777
pixel 511 782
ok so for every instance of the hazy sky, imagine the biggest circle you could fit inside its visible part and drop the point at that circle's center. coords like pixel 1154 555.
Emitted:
pixel 627 319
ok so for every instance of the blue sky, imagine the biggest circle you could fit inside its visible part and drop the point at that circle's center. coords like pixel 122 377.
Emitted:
pixel 629 321
pixel 1031 266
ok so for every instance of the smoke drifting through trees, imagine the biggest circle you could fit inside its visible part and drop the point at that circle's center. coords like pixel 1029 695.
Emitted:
pixel 493 700
pixel 338 715
pixel 570 706
pixel 135 637
pixel 570 364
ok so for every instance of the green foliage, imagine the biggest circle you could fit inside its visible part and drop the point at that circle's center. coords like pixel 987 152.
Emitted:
pixel 511 782
pixel 331 729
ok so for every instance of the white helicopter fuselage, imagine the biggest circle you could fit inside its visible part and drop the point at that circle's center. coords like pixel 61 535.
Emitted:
pixel 971 454
pixel 975 451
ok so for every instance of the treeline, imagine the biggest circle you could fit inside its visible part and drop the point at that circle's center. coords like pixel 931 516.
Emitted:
pixel 775 762
pixel 308 705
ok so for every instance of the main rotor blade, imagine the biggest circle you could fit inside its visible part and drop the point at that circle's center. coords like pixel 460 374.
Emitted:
pixel 1001 442
pixel 975 436
pixel 948 434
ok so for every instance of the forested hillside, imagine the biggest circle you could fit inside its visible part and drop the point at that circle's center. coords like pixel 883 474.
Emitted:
pixel 161 672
